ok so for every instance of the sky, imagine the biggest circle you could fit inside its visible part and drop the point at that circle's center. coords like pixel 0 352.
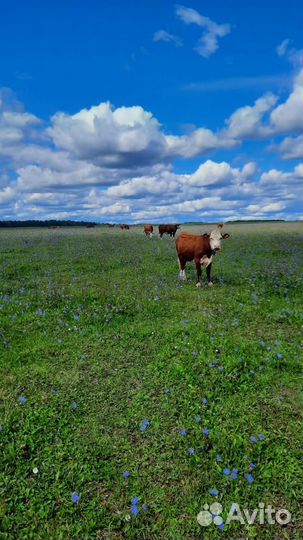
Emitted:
pixel 151 112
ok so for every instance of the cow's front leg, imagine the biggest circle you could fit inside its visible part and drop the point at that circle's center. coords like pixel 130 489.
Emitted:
pixel 199 273
pixel 208 275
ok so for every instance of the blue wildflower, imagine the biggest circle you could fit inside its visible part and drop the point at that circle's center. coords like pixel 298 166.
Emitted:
pixel 135 501
pixel 167 391
pixel 221 526
pixel 214 492
pixel 261 437
pixel 135 510
pixel 145 507
pixel 74 405
pixel 204 401
pixel 191 451
pixel 144 425
pixel 53 392
pixel 75 497
pixel 126 474
pixel 252 465
pixel 218 457
pixel 249 478
pixel 22 400
pixel 197 418
pixel 183 432
pixel 226 472
pixel 206 431
pixel 253 439
pixel 279 356
pixel 234 474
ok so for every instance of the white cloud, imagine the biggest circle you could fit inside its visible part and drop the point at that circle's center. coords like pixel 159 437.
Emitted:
pixel 246 122
pixel 291 147
pixel 208 43
pixel 288 116
pixel 162 35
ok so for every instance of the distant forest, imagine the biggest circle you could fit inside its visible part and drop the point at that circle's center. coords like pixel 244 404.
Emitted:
pixel 46 223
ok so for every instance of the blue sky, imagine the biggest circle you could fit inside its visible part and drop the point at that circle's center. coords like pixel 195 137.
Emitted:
pixel 151 111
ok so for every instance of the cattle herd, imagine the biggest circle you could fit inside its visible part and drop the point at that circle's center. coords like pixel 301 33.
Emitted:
pixel 199 248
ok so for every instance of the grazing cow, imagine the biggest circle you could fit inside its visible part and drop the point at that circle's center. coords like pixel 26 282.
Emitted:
pixel 148 229
pixel 124 226
pixel 110 225
pixel 201 249
pixel 168 229
pixel 90 226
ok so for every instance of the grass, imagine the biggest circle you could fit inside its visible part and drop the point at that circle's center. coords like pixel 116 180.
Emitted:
pixel 98 335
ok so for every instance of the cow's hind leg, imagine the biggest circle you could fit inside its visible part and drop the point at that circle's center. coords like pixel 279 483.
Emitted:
pixel 182 264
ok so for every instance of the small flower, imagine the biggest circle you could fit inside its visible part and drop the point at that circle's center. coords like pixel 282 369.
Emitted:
pixel 135 501
pixel 205 431
pixel 279 356
pixel 234 474
pixel 218 457
pixel 214 492
pixel 144 425
pixel 249 478
pixel 1 428
pixel 183 432
pixel 253 439
pixel 191 451
pixel 74 405
pixel 261 437
pixel 197 419
pixel 22 400
pixel 221 526
pixel 145 507
pixel 53 392
pixel 35 470
pixel 204 401
pixel 226 472
pixel 252 465
pixel 135 510
pixel 167 391
pixel 126 474
pixel 75 497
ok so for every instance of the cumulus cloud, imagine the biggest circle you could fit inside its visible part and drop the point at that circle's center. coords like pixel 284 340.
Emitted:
pixel 208 42
pixel 162 35
pixel 290 147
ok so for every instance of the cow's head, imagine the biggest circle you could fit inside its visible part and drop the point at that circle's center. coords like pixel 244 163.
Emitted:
pixel 216 237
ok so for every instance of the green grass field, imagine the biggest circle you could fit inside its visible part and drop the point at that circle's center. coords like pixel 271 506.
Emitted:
pixel 106 358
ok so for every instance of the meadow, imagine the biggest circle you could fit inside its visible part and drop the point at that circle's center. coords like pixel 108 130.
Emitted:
pixel 130 400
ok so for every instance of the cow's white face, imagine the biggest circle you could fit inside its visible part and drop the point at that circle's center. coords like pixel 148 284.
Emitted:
pixel 216 238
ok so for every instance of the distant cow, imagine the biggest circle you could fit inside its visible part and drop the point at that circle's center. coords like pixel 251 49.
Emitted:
pixel 201 249
pixel 148 229
pixel 110 225
pixel 124 226
pixel 168 229
pixel 90 225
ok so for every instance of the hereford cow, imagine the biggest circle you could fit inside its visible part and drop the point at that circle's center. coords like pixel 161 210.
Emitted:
pixel 201 249
pixel 168 229
pixel 124 226
pixel 148 229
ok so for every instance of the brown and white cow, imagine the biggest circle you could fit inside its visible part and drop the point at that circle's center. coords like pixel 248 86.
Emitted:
pixel 124 226
pixel 201 249
pixel 148 229
pixel 168 229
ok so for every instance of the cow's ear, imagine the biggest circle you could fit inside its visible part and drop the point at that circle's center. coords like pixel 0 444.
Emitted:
pixel 225 236
pixel 220 225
